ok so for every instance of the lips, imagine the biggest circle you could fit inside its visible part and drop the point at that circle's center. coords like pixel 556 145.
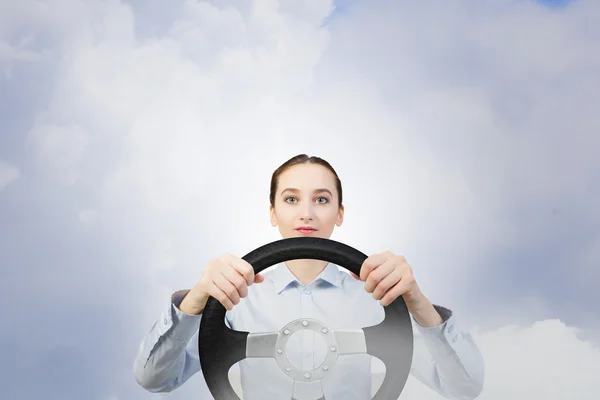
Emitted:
pixel 306 230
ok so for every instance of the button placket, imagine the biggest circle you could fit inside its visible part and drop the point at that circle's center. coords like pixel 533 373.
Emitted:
pixel 307 336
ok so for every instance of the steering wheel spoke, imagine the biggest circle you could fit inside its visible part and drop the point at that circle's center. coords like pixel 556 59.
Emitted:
pixel 262 345
pixel 350 342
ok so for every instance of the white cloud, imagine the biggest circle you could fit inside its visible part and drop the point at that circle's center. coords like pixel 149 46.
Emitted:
pixel 546 360
pixel 61 148
pixel 87 216
pixel 8 174
pixel 10 55
pixel 452 144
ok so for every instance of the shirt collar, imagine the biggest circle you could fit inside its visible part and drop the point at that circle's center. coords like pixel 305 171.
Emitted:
pixel 283 277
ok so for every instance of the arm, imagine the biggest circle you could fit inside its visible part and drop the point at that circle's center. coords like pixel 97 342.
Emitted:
pixel 446 357
pixel 168 354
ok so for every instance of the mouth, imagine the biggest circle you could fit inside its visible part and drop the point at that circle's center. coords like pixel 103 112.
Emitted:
pixel 306 230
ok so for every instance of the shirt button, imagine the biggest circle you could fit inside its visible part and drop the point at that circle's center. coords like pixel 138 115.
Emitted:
pixel 306 291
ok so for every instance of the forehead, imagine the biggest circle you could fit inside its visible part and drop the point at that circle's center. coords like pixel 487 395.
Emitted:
pixel 307 177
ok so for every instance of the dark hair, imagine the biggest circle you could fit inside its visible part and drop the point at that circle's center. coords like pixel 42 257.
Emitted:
pixel 303 159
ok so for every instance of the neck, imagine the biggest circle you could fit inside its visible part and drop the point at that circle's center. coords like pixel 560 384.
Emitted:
pixel 306 271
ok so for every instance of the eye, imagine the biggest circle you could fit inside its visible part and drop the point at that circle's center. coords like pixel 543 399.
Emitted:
pixel 290 199
pixel 322 200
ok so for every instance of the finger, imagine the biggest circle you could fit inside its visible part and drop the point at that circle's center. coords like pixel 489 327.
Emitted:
pixel 236 279
pixel 387 283
pixel 395 292
pixel 242 266
pixel 258 278
pixel 227 287
pixel 370 264
pixel 221 296
pixel 354 275
pixel 377 275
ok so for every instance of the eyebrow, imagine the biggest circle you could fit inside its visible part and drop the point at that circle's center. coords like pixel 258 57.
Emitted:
pixel 294 190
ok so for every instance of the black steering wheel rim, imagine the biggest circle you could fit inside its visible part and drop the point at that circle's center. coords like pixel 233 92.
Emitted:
pixel 221 347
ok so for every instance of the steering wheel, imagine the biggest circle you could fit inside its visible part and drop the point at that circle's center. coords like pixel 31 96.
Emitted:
pixel 221 347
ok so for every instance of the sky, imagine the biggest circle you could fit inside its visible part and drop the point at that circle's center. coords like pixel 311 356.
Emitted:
pixel 138 139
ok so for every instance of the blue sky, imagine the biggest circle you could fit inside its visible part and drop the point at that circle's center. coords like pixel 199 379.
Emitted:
pixel 555 3
pixel 465 137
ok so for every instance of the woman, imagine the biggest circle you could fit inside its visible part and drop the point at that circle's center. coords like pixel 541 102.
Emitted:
pixel 306 200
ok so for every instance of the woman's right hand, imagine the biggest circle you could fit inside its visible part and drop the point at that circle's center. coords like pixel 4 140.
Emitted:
pixel 225 278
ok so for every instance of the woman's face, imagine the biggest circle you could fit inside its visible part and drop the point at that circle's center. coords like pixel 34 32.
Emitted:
pixel 307 198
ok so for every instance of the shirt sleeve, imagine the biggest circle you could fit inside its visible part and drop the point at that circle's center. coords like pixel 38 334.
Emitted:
pixel 446 359
pixel 168 354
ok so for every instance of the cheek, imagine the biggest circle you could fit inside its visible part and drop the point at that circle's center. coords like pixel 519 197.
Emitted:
pixel 330 216
pixel 284 216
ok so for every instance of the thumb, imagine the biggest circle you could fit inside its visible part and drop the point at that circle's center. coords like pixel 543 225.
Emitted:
pixel 354 275
pixel 258 278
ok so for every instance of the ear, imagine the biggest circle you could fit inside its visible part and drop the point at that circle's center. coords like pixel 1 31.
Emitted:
pixel 273 216
pixel 340 218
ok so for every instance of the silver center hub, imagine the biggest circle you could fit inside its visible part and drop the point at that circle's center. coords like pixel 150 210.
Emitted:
pixel 283 361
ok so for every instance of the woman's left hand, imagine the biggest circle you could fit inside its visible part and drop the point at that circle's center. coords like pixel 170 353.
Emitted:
pixel 389 276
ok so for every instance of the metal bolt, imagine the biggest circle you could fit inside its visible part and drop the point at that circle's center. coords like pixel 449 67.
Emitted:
pixel 332 348
pixel 279 351
pixel 324 330
pixel 304 323
pixel 325 368
pixel 288 369
pixel 286 332
pixel 307 376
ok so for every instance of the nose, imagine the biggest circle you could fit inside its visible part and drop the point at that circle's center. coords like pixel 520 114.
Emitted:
pixel 307 212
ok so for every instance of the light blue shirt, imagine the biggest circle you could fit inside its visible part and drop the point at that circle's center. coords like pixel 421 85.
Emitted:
pixel 445 357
